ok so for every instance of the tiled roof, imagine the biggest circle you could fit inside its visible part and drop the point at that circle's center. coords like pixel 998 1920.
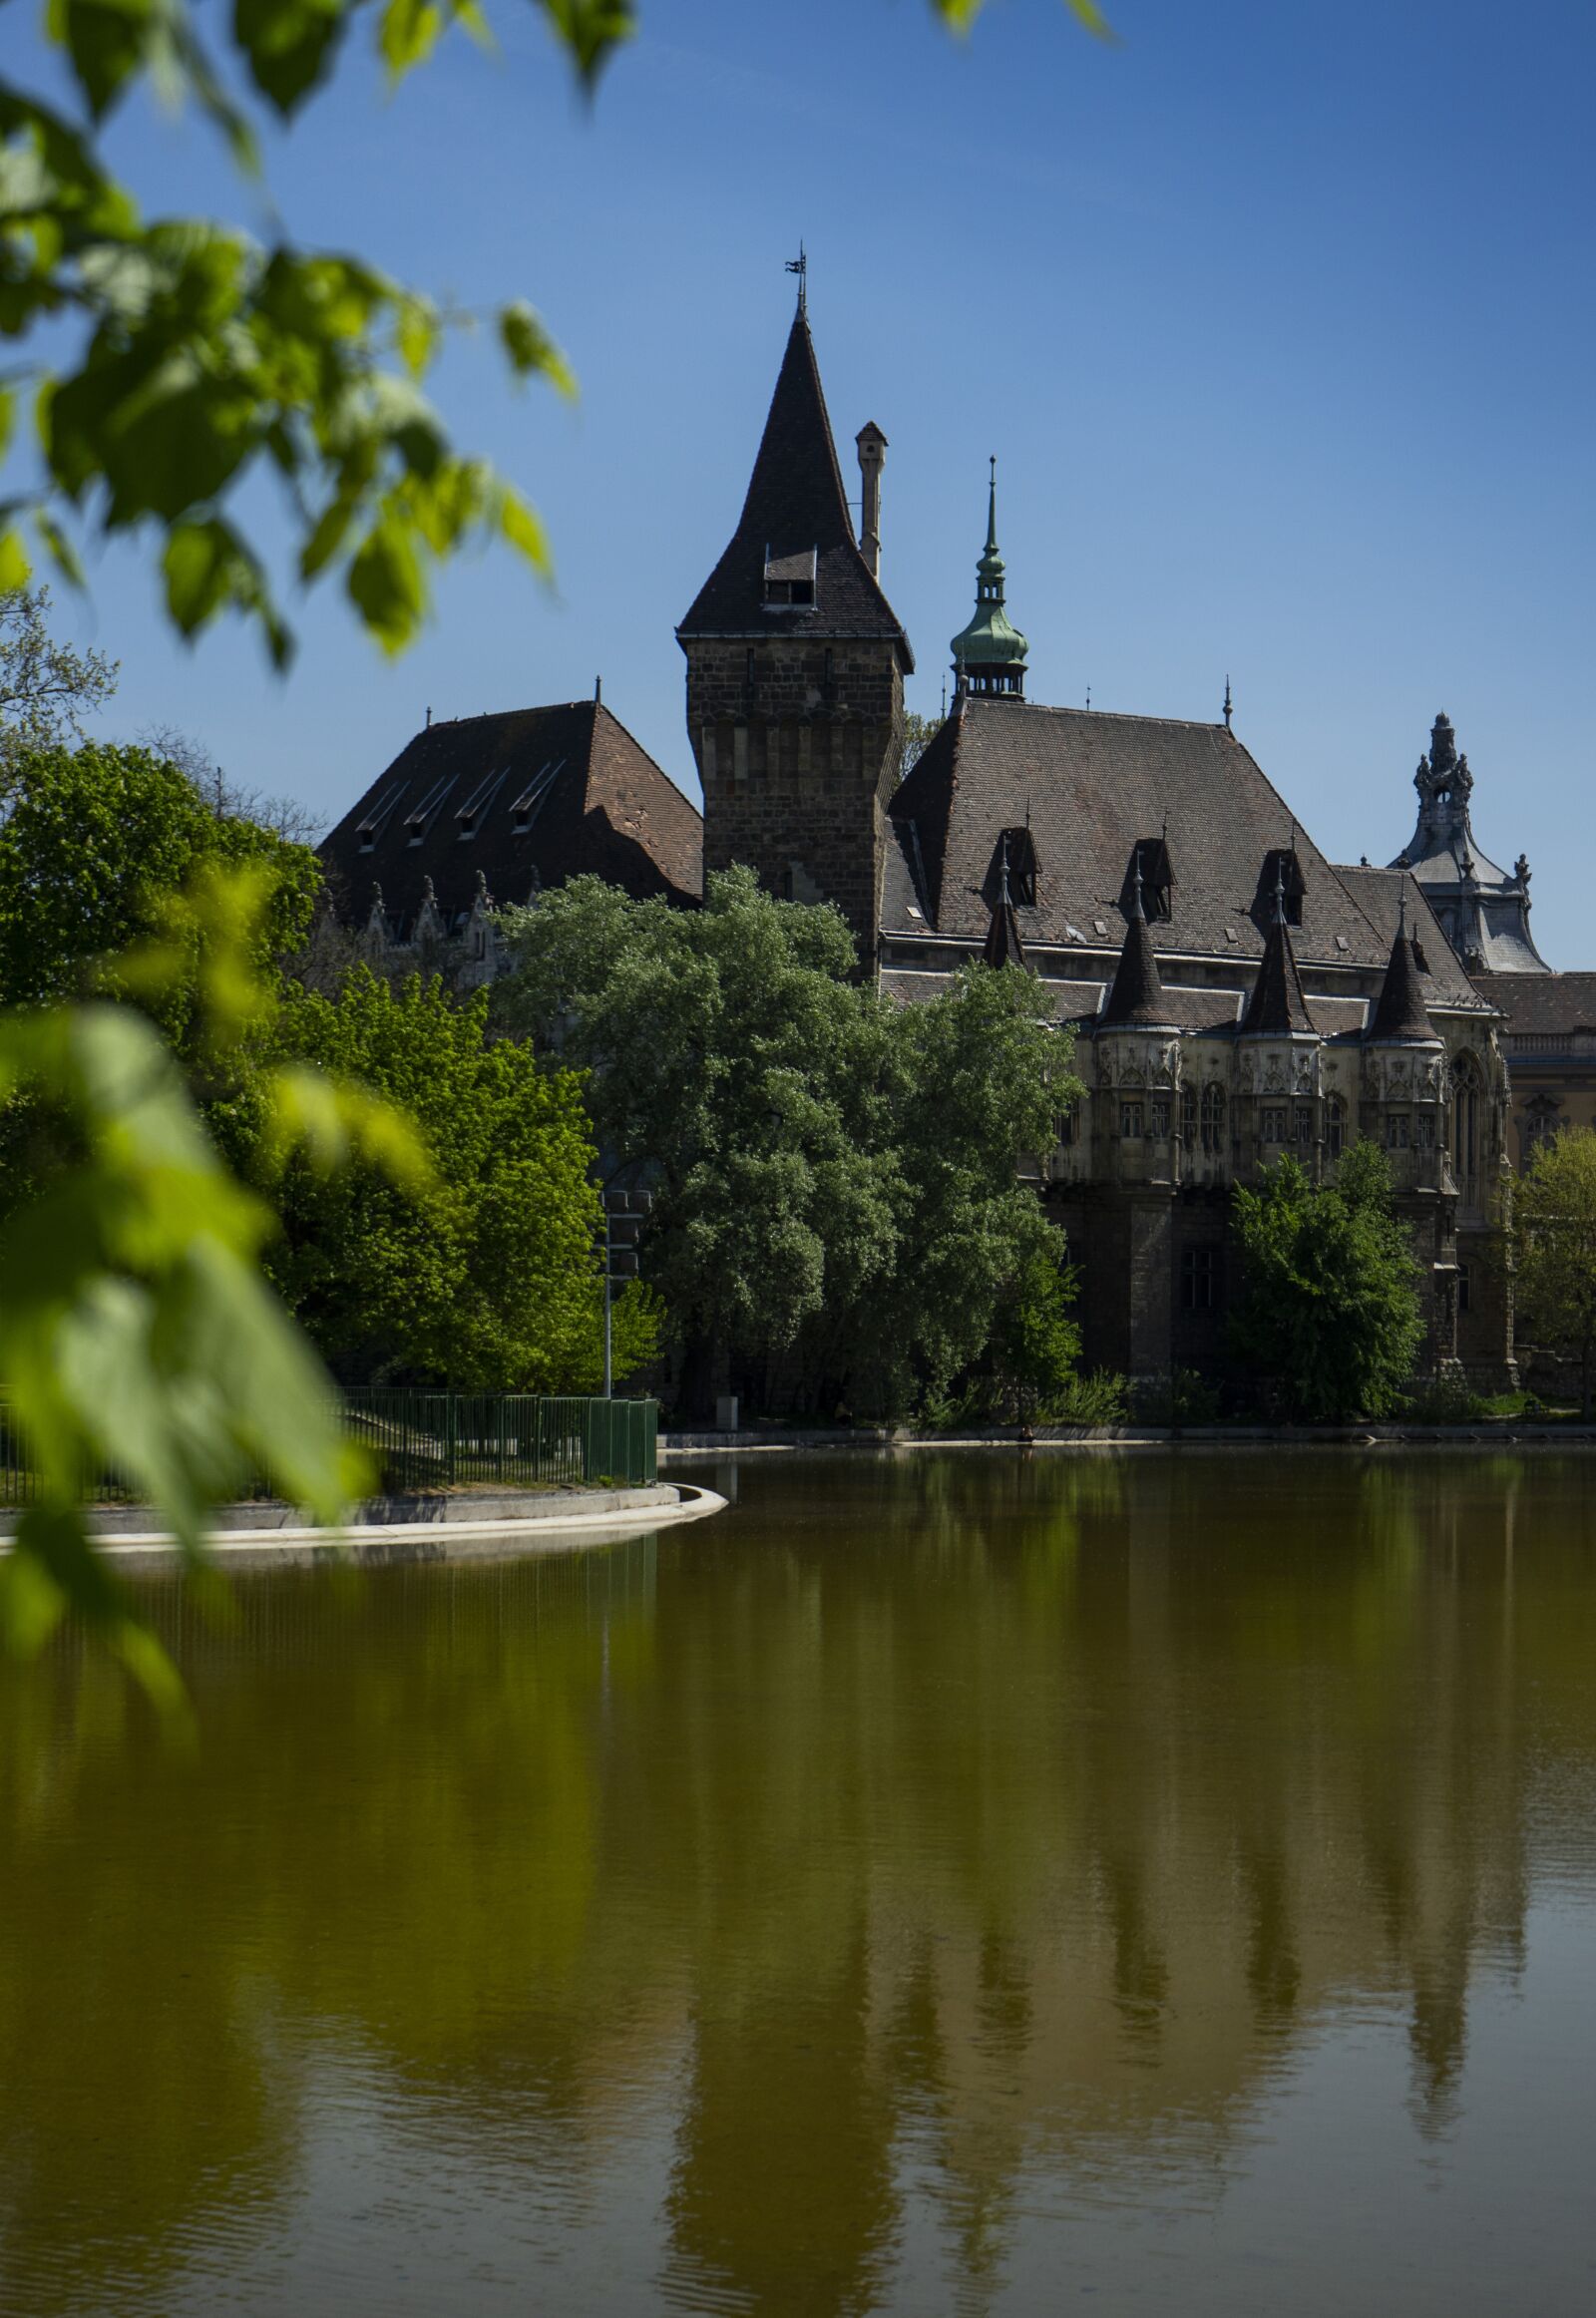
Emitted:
pixel 1541 1004
pixel 1136 995
pixel 1377 892
pixel 530 797
pixel 1277 1003
pixel 1402 1016
pixel 796 503
pixel 1093 786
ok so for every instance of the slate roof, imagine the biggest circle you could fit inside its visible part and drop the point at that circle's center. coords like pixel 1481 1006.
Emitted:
pixel 1093 786
pixel 1377 892
pixel 795 502
pixel 1277 1005
pixel 1137 993
pixel 1541 1004
pixel 530 797
pixel 1402 1016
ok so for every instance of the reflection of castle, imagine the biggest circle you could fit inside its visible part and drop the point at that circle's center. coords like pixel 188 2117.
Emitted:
pixel 1235 994
pixel 986 1827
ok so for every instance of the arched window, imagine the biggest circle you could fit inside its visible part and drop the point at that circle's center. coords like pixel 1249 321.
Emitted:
pixel 1188 1117
pixel 1336 1126
pixel 1213 1121
pixel 1465 1118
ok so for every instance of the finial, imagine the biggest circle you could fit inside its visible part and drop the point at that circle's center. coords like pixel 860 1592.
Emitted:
pixel 1402 908
pixel 992 506
pixel 945 696
pixel 1227 704
pixel 800 266
pixel 597 690
pixel 1279 889
pixel 1137 912
pixel 428 892
pixel 1003 874
pixel 1088 696
pixel 429 719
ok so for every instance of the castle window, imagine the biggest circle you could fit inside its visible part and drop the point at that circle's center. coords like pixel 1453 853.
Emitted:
pixel 1068 1127
pixel 1160 1112
pixel 1425 1131
pixel 371 828
pixel 1336 1126
pixel 1301 1123
pixel 1466 1117
pixel 1130 1121
pixel 1213 1121
pixel 416 823
pixel 1397 1129
pixel 1198 1279
pixel 1149 855
pixel 1272 1127
pixel 469 817
pixel 1188 1116
pixel 524 812
pixel 1465 1289
pixel 790 582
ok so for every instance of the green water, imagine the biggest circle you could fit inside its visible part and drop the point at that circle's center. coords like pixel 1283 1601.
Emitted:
pixel 1160 1884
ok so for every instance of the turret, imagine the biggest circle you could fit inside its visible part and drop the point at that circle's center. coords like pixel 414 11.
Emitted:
pixel 989 653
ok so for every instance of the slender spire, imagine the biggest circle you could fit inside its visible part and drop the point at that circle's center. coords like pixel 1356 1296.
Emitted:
pixel 1402 1015
pixel 990 649
pixel 1136 995
pixel 1227 704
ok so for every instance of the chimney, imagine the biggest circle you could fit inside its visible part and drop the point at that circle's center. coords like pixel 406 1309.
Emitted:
pixel 872 459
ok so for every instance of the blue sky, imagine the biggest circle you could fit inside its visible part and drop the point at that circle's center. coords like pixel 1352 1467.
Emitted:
pixel 1277 317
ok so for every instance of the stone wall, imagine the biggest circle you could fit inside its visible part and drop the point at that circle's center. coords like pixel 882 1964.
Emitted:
pixel 797 743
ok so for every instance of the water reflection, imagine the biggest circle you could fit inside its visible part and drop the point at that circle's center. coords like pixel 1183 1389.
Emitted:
pixel 919 1832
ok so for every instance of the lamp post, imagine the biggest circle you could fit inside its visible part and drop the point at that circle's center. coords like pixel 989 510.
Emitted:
pixel 624 1213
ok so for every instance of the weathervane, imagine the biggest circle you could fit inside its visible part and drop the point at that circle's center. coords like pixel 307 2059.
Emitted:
pixel 800 266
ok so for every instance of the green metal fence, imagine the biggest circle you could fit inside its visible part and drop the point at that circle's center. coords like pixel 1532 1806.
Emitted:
pixel 446 1440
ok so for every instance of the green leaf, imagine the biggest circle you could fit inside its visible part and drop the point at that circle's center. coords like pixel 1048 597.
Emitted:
pixel 523 533
pixel 531 348
pixel 62 552
pixel 290 45
pixel 385 584
pixel 14 564
pixel 590 30
pixel 407 34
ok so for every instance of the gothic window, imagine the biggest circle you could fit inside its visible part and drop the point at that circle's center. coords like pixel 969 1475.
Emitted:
pixel 1198 1279
pixel 1130 1121
pixel 1540 1124
pixel 1336 1126
pixel 1188 1116
pixel 1398 1127
pixel 1301 1123
pixel 1213 1121
pixel 1425 1131
pixel 1068 1126
pixel 1273 1128
pixel 1466 1117
pixel 1160 1114
pixel 1465 1289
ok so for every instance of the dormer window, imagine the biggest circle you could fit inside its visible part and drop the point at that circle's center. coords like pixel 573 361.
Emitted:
pixel 1150 855
pixel 416 823
pixel 1281 872
pixel 469 818
pixel 524 812
pixel 1016 851
pixel 790 582
pixel 370 830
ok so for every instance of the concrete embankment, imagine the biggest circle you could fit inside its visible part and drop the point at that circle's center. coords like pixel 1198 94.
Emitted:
pixel 464 1525
pixel 1507 1432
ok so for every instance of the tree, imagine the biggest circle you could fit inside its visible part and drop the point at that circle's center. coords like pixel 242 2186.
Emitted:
pixel 1036 1345
pixel 95 844
pixel 918 732
pixel 1329 1319
pixel 285 816
pixel 46 688
pixel 486 1275
pixel 836 1209
pixel 201 361
pixel 1554 1238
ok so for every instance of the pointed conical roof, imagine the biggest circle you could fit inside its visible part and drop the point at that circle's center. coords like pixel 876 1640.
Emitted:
pixel 1004 946
pixel 1136 995
pixel 795 504
pixel 1402 1018
pixel 1276 1005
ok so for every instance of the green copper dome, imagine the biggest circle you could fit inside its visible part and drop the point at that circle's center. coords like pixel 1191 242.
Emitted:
pixel 990 654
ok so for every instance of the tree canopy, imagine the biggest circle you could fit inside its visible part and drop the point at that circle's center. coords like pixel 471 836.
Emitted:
pixel 1554 1233
pixel 1329 1319
pixel 837 1212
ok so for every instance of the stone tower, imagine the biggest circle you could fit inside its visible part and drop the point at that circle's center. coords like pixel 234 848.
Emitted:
pixel 795 669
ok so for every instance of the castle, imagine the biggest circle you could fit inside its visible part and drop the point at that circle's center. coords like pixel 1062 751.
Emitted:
pixel 1233 994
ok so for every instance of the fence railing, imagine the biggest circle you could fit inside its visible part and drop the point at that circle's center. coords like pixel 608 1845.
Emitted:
pixel 445 1441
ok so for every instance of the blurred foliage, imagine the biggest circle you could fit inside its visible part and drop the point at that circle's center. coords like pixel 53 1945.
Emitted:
pixel 202 359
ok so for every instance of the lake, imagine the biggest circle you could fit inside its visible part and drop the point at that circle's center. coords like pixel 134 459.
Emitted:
pixel 955 1882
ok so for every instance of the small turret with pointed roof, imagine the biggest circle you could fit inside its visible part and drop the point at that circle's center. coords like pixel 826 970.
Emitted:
pixel 1136 995
pixel 1004 946
pixel 1277 1008
pixel 1402 1016
pixel 989 653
